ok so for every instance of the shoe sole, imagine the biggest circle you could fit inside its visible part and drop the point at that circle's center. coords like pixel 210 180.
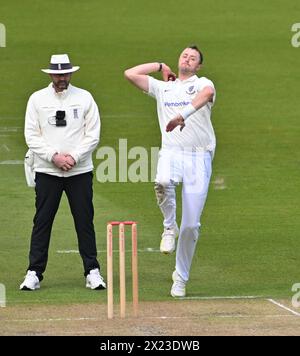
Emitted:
pixel 100 287
pixel 166 252
pixel 177 296
pixel 29 289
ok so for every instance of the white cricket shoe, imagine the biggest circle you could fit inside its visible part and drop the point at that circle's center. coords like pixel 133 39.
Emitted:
pixel 31 281
pixel 94 280
pixel 178 287
pixel 168 241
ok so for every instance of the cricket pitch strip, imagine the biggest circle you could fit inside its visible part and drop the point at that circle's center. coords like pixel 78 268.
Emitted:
pixel 174 318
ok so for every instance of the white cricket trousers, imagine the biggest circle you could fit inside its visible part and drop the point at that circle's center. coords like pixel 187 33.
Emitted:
pixel 193 169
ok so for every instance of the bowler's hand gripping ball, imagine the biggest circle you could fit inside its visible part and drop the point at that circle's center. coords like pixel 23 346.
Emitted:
pixel 171 77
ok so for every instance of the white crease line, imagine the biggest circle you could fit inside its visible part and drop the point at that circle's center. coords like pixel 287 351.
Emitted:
pixel 11 118
pixel 177 299
pixel 254 316
pixel 52 319
pixel 11 162
pixel 11 129
pixel 216 298
pixel 212 315
pixel 148 249
pixel 67 251
pixel 283 307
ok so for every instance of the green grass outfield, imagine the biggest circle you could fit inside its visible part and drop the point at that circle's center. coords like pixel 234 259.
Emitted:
pixel 250 241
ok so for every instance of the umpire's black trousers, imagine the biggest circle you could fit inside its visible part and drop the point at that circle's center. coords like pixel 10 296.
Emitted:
pixel 79 191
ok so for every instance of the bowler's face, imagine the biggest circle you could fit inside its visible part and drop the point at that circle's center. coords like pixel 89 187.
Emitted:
pixel 189 61
pixel 61 81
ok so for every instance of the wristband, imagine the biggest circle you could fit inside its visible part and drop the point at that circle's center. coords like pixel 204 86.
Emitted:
pixel 188 111
pixel 160 67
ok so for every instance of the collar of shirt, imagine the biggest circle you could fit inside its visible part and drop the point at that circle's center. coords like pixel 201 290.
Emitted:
pixel 63 94
pixel 191 79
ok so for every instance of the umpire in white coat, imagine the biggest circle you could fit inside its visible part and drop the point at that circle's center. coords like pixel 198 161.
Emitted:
pixel 62 129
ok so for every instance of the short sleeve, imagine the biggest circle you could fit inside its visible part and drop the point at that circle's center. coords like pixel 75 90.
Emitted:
pixel 205 82
pixel 154 87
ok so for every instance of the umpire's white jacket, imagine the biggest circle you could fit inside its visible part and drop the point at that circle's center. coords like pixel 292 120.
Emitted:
pixel 79 137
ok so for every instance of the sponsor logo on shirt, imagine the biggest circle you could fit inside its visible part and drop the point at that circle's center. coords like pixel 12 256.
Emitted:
pixel 176 104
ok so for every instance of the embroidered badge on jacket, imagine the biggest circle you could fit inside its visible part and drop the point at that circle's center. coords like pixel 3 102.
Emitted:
pixel 75 111
pixel 191 90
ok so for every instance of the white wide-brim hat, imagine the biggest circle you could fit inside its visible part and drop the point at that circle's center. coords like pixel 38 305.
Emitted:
pixel 60 64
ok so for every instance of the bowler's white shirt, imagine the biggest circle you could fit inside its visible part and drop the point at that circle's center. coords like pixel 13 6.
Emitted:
pixel 78 138
pixel 172 97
